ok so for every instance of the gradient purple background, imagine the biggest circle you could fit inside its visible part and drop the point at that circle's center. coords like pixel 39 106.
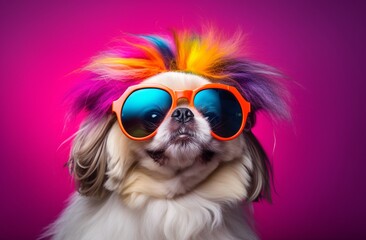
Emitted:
pixel 318 161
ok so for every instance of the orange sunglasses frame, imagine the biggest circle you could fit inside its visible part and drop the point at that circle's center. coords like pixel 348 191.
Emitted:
pixel 181 94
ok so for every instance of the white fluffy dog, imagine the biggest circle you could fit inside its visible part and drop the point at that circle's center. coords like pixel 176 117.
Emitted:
pixel 181 182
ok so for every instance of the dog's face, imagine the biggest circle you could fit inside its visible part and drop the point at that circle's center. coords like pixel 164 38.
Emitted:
pixel 179 157
pixel 183 158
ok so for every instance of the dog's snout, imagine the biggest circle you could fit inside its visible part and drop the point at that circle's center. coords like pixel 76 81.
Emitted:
pixel 182 115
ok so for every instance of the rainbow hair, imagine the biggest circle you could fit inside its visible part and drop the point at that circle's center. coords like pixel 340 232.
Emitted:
pixel 208 54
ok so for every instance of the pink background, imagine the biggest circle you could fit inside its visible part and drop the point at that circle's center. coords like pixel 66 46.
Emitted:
pixel 318 161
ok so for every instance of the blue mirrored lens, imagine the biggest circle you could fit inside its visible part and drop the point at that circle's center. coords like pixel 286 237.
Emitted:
pixel 144 110
pixel 221 109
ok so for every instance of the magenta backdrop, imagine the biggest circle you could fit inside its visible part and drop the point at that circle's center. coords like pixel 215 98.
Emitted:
pixel 318 160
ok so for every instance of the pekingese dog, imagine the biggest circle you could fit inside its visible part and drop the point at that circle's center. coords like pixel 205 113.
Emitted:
pixel 166 150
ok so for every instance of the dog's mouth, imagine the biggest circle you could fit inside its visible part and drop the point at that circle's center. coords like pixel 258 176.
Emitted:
pixel 182 137
pixel 158 155
pixel 181 148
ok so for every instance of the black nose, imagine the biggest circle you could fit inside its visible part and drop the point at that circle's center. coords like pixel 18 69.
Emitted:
pixel 182 115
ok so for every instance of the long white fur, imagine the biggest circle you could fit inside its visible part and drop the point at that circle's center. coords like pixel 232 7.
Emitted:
pixel 148 201
pixel 189 217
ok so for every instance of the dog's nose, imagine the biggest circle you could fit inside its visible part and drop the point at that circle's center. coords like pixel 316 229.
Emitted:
pixel 182 115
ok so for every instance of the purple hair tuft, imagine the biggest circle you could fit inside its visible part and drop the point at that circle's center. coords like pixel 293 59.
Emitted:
pixel 95 96
pixel 260 84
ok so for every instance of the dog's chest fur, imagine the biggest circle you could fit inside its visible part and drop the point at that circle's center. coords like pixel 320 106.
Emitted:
pixel 159 219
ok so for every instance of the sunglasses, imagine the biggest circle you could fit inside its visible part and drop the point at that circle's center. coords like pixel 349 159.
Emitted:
pixel 142 108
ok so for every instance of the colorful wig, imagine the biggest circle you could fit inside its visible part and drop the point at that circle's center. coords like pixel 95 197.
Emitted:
pixel 208 54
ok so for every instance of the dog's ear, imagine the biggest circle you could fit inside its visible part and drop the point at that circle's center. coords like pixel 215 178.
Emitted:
pixel 88 158
pixel 261 172
pixel 264 87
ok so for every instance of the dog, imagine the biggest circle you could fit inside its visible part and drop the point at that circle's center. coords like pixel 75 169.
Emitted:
pixel 166 150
